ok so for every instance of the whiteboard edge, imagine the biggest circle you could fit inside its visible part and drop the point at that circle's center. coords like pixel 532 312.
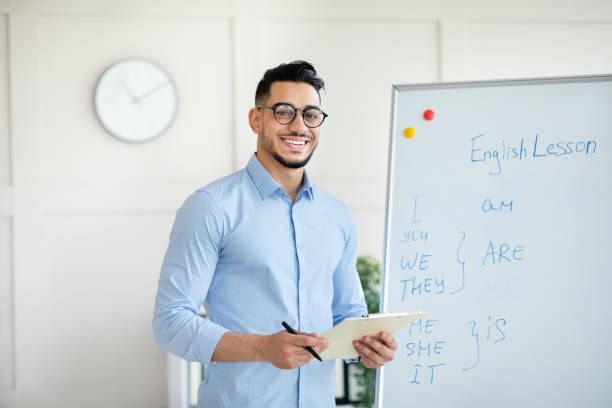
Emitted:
pixel 505 82
pixel 383 301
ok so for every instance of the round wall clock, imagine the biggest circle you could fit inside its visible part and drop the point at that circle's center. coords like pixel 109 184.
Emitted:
pixel 135 100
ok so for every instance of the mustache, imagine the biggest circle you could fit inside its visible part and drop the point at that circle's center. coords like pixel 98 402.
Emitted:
pixel 296 134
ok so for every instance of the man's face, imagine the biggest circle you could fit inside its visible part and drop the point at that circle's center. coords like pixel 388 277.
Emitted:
pixel 290 145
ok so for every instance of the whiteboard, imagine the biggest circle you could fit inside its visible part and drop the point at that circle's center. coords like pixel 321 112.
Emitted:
pixel 498 225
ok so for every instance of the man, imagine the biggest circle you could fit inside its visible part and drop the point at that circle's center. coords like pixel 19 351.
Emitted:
pixel 262 246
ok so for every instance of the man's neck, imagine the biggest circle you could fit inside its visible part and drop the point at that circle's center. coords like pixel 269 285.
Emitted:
pixel 289 179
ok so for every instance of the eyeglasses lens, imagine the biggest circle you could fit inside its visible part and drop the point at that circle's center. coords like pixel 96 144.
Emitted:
pixel 313 117
pixel 284 114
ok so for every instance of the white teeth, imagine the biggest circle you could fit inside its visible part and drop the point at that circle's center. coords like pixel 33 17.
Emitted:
pixel 295 142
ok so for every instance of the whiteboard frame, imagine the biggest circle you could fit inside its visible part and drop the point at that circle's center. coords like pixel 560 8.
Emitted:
pixel 390 174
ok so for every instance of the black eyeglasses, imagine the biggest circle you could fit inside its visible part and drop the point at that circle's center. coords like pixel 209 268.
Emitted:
pixel 285 113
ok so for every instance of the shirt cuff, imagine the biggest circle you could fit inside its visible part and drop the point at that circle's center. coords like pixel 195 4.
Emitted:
pixel 208 337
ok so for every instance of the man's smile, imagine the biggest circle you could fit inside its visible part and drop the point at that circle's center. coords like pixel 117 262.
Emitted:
pixel 295 143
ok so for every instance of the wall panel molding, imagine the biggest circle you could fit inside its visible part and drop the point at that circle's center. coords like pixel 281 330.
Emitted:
pixel 5 113
pixel 561 9
pixel 496 48
pixel 6 201
pixel 135 199
pixel 27 282
pixel 92 199
pixel 451 36
pixel 7 310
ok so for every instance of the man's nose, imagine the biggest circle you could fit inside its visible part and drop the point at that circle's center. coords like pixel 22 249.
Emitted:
pixel 298 124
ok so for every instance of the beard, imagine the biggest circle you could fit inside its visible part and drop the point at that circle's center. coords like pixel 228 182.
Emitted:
pixel 267 145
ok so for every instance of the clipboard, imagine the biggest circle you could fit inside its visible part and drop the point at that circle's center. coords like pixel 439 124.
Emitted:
pixel 341 336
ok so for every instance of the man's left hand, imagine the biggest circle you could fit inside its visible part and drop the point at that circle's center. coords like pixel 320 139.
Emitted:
pixel 376 352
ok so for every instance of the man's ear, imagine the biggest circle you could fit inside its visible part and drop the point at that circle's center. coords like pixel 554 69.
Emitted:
pixel 254 120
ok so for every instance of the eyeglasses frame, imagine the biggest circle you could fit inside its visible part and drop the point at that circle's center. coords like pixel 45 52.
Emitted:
pixel 276 105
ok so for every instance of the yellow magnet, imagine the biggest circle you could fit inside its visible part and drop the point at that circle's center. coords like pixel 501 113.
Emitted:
pixel 409 132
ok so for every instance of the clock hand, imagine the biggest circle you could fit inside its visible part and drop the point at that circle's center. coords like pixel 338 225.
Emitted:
pixel 152 91
pixel 127 91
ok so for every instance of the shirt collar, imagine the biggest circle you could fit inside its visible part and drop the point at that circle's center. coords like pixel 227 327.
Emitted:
pixel 307 187
pixel 265 183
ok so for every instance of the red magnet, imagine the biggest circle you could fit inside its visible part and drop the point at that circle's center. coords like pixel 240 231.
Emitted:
pixel 428 114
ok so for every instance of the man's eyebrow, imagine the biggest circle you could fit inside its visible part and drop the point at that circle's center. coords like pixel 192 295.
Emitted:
pixel 311 106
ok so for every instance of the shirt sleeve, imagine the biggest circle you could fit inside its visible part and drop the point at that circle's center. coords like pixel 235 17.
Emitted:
pixel 349 300
pixel 187 271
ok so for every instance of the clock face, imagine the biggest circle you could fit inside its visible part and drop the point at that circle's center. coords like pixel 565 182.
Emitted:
pixel 135 100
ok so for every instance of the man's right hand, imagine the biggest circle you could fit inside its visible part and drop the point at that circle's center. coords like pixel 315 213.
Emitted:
pixel 286 350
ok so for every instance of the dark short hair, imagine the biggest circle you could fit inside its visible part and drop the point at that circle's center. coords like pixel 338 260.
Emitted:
pixel 295 71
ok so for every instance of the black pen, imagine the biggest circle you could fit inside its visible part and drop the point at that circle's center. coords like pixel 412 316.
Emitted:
pixel 310 350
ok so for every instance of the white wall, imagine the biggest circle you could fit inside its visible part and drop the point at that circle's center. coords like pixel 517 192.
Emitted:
pixel 84 218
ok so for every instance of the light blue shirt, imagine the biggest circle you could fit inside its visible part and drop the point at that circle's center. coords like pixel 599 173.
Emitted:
pixel 253 258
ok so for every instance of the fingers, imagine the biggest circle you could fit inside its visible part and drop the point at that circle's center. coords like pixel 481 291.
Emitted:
pixel 292 356
pixel 383 345
pixel 312 341
pixel 286 351
pixel 370 357
pixel 292 348
pixel 323 346
pixel 376 352
pixel 318 344
pixel 318 348
pixel 301 354
pixel 389 340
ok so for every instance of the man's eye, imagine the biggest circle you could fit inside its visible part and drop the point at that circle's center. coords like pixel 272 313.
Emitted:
pixel 283 113
pixel 312 115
